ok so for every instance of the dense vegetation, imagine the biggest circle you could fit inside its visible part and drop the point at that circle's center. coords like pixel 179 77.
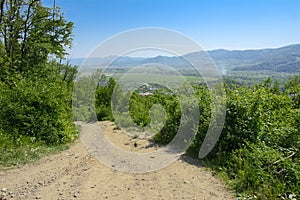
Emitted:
pixel 35 91
pixel 259 145
pixel 258 151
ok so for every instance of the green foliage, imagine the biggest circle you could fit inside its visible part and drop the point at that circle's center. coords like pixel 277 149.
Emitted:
pixel 258 149
pixel 103 98
pixel 263 172
pixel 30 32
pixel 84 97
pixel 35 92
pixel 259 144
pixel 292 88
pixel 173 111
pixel 139 109
pixel 23 149
pixel 38 108
pixel 204 119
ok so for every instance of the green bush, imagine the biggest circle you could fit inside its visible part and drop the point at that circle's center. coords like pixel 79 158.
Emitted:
pixel 259 145
pixel 258 149
pixel 204 119
pixel 103 99
pixel 35 90
pixel 263 171
pixel 38 108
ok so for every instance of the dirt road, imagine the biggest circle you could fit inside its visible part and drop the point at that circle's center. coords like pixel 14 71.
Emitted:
pixel 75 174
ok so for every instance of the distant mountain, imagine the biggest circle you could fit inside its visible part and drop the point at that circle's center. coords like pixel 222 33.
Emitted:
pixel 284 59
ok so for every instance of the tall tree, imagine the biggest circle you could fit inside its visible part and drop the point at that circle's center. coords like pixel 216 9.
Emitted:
pixel 30 32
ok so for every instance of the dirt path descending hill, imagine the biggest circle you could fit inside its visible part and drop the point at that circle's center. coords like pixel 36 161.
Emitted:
pixel 75 174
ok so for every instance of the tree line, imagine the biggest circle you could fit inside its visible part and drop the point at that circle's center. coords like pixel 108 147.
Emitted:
pixel 35 87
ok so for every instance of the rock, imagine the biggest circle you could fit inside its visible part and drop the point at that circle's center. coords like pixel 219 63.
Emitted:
pixel 4 190
pixel 213 194
pixel 75 195
pixel 85 169
pixel 186 182
pixel 12 196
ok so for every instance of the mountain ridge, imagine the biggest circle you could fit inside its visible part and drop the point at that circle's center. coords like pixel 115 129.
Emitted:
pixel 282 59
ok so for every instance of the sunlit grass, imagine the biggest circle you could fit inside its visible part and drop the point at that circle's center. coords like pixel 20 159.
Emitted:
pixel 20 150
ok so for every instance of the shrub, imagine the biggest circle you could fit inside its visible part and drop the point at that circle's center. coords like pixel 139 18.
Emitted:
pixel 39 109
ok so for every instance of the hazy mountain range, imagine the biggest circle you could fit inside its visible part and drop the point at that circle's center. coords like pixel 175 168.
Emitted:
pixel 284 59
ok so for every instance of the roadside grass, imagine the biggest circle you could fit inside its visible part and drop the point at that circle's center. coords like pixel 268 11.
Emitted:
pixel 24 149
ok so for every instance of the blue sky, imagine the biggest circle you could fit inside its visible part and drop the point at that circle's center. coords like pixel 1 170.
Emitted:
pixel 214 24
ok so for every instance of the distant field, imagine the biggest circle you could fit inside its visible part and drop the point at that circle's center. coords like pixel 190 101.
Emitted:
pixel 245 77
pixel 253 77
pixel 157 78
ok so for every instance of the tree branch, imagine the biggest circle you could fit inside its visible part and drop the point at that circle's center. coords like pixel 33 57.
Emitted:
pixel 277 161
pixel 1 10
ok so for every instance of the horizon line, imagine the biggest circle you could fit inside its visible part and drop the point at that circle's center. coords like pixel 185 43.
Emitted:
pixel 215 49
